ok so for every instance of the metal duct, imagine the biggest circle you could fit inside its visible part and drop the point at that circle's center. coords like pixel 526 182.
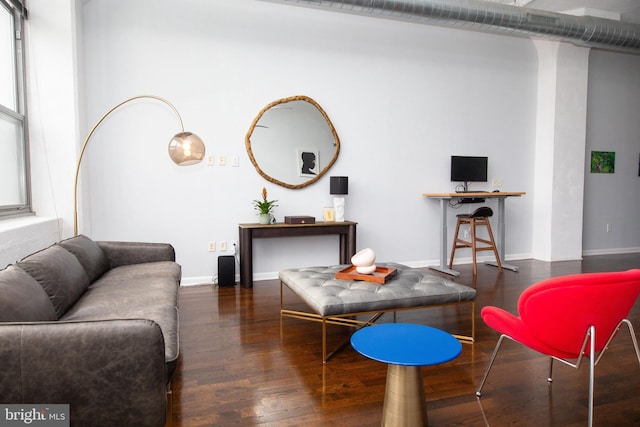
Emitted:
pixel 497 18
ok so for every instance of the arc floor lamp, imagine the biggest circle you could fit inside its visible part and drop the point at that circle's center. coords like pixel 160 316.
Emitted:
pixel 185 148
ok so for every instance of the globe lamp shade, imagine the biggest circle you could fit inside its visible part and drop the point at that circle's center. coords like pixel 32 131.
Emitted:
pixel 186 148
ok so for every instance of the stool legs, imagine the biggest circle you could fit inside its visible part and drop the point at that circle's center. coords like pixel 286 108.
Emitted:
pixel 459 243
pixel 404 401
pixel 493 245
pixel 474 246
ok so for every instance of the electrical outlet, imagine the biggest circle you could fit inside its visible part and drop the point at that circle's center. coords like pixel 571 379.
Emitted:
pixel 223 246
pixel 235 161
pixel 222 160
pixel 467 233
pixel 212 246
pixel 608 228
pixel 210 161
pixel 496 182
pixel 234 245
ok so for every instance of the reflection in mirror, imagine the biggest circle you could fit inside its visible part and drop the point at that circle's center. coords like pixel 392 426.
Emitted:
pixel 292 142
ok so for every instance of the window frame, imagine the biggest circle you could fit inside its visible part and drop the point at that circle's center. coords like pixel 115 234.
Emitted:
pixel 18 11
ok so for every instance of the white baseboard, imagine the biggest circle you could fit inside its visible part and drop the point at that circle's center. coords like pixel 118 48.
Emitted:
pixel 615 251
pixel 273 275
pixel 192 281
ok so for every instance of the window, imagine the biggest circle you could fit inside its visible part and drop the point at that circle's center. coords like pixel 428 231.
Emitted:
pixel 14 163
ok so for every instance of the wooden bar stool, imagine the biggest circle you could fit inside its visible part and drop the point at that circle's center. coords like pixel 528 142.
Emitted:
pixel 479 217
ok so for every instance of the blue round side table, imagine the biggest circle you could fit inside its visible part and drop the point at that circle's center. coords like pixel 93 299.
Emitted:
pixel 405 348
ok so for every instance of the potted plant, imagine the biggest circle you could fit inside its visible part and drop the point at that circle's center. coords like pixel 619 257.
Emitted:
pixel 264 207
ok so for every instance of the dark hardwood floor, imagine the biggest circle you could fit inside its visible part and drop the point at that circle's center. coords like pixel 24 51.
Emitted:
pixel 237 368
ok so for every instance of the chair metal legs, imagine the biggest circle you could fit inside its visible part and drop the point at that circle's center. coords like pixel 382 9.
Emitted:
pixel 633 337
pixel 493 357
pixel 615 333
pixel 592 370
pixel 592 362
pixel 590 340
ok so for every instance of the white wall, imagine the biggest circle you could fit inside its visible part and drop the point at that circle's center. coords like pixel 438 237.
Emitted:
pixel 613 125
pixel 403 98
pixel 52 100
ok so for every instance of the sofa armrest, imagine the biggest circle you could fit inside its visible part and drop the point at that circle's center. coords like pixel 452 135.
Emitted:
pixel 126 253
pixel 101 369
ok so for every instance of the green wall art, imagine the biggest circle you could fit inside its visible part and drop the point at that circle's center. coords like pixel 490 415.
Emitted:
pixel 603 161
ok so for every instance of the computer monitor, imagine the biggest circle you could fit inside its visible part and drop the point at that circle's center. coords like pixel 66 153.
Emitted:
pixel 466 169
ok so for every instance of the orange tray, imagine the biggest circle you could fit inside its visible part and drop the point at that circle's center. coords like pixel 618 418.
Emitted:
pixel 381 275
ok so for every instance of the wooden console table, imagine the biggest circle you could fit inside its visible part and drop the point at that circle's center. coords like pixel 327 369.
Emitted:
pixel 247 232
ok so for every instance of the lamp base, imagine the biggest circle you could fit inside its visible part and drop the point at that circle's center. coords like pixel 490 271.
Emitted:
pixel 338 208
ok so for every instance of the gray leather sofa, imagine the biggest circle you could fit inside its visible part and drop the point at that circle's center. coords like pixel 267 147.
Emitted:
pixel 93 325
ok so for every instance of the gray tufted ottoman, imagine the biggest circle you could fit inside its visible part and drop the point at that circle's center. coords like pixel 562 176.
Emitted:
pixel 339 301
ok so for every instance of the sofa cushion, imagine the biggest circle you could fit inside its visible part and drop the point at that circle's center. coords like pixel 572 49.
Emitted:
pixel 91 257
pixel 22 299
pixel 165 315
pixel 144 284
pixel 59 273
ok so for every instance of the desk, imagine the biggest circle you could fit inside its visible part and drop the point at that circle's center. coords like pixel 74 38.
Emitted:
pixel 405 347
pixel 444 201
pixel 247 232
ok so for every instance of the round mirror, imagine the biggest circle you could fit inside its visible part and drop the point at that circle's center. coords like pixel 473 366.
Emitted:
pixel 292 142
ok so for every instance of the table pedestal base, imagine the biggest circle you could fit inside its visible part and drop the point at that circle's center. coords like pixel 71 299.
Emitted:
pixel 404 401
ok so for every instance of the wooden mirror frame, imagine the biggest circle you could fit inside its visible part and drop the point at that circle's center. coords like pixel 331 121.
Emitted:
pixel 311 180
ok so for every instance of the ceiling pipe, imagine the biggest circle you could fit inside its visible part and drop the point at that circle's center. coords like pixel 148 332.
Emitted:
pixel 495 17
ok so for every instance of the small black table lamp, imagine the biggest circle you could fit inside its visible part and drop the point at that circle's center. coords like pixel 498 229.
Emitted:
pixel 339 185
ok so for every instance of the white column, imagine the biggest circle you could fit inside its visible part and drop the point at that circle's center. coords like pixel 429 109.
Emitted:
pixel 560 150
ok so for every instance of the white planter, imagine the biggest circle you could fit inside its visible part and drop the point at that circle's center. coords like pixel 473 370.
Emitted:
pixel 264 218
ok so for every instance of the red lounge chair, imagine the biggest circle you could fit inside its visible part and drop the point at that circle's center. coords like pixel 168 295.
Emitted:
pixel 568 318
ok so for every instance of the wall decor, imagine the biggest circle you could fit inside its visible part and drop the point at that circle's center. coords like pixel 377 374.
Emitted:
pixel 308 162
pixel 603 161
pixel 327 214
pixel 287 136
